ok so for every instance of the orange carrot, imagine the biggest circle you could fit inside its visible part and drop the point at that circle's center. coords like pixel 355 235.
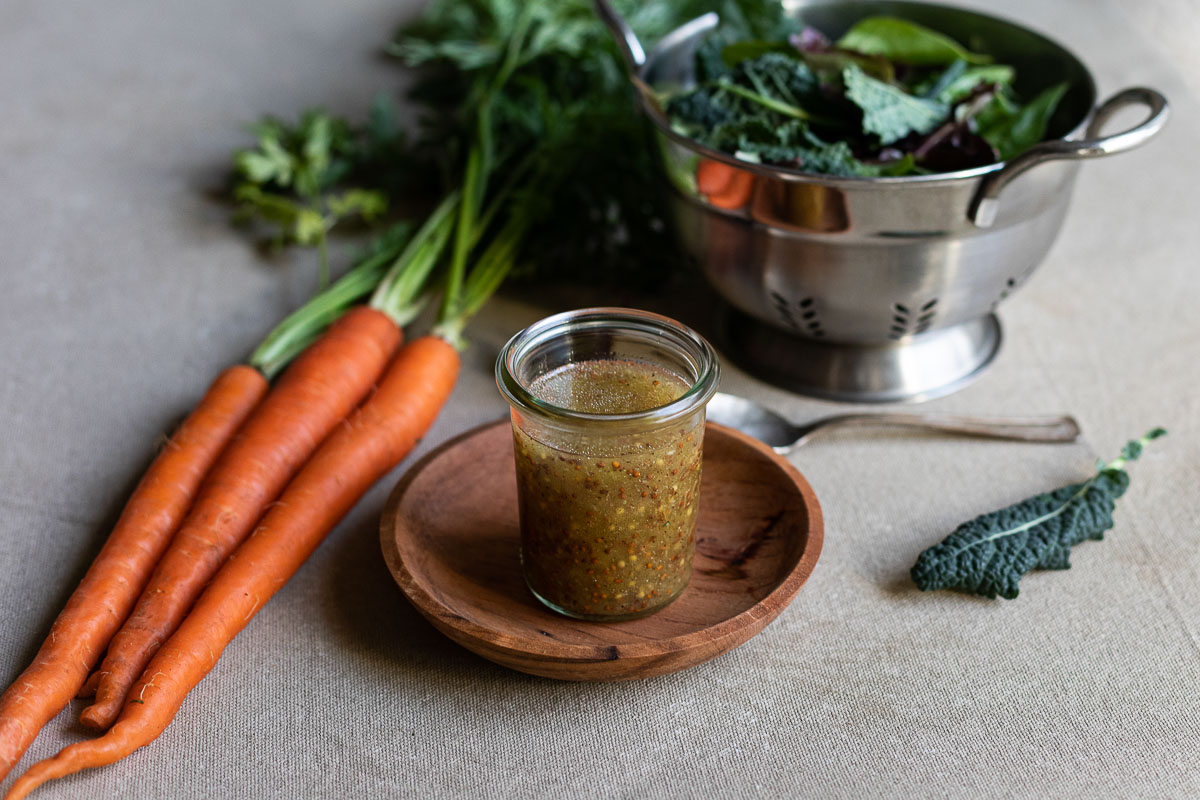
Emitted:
pixel 108 591
pixel 741 187
pixel 89 686
pixel 376 437
pixel 316 392
pixel 713 177
pixel 725 186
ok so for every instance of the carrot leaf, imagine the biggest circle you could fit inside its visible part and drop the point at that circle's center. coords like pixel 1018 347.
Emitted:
pixel 301 180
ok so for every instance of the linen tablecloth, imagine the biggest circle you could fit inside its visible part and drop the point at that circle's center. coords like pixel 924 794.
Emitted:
pixel 123 291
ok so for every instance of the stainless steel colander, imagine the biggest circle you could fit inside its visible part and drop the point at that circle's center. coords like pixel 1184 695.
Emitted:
pixel 879 289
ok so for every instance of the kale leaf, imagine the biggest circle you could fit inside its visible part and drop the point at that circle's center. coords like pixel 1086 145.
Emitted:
pixel 762 92
pixel 711 62
pixel 704 110
pixel 798 145
pixel 989 555
pixel 779 77
pixel 761 110
pixel 889 112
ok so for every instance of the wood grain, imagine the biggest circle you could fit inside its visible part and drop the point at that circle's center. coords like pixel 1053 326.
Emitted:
pixel 450 536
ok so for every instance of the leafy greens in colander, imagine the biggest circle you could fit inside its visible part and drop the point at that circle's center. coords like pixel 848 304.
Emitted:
pixel 889 98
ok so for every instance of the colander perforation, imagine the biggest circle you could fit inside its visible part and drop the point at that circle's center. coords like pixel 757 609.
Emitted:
pixel 800 316
pixel 906 321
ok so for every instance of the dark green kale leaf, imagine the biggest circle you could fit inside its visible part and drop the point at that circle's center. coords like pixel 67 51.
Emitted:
pixel 889 112
pixel 779 77
pixel 799 146
pixel 761 140
pixel 748 29
pixel 1013 129
pixel 838 159
pixel 762 110
pixel 711 62
pixel 989 555
pixel 766 91
pixel 705 108
pixel 906 42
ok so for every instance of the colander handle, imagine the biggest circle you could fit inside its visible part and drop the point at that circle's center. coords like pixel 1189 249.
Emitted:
pixel 628 42
pixel 984 206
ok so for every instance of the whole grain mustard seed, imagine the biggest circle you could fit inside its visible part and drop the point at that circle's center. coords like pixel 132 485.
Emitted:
pixel 573 550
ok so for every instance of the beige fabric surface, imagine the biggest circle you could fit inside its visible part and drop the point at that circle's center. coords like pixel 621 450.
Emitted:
pixel 123 291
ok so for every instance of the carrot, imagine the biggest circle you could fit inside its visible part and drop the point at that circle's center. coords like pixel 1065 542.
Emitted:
pixel 316 392
pixel 376 437
pixel 725 186
pixel 737 194
pixel 713 177
pixel 108 591
pixel 89 686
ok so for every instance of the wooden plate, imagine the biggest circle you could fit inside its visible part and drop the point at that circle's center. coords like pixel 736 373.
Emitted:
pixel 450 537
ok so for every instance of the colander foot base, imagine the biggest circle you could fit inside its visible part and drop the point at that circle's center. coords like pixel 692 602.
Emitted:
pixel 922 367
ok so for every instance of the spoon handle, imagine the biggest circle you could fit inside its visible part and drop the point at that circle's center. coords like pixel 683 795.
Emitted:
pixel 1026 429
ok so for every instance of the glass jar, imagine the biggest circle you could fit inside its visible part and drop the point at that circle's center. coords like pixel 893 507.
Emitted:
pixel 608 496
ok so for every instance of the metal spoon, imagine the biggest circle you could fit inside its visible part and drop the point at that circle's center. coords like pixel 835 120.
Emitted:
pixel 749 417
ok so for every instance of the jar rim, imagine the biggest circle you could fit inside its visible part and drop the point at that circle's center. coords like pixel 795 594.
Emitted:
pixel 675 333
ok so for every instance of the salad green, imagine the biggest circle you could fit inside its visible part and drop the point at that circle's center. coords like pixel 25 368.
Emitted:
pixel 990 554
pixel 890 97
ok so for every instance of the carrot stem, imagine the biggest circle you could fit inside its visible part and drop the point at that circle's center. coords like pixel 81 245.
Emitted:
pixel 492 266
pixel 304 325
pixel 464 232
pixel 398 292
